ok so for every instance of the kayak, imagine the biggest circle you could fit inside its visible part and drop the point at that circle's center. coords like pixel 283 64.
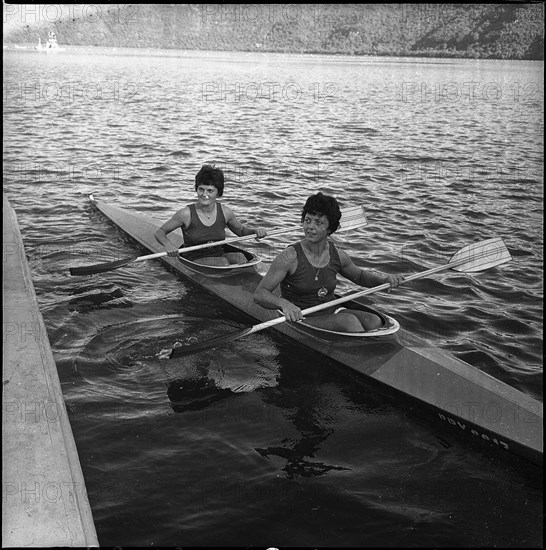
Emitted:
pixel 452 394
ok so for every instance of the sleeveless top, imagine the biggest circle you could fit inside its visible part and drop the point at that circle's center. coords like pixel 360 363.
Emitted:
pixel 302 289
pixel 199 233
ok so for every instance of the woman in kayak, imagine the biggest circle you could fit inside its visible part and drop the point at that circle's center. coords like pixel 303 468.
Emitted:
pixel 307 274
pixel 206 221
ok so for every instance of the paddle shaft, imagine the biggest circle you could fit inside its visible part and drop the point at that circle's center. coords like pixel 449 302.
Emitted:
pixel 360 293
pixel 210 245
pixel 358 219
pixel 352 218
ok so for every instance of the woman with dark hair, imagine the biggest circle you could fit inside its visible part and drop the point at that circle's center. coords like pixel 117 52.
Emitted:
pixel 206 221
pixel 307 274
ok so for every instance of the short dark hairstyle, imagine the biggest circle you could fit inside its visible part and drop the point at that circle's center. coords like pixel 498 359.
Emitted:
pixel 210 175
pixel 323 205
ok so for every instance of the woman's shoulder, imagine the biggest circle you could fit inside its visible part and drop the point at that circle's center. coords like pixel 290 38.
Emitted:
pixel 344 258
pixel 226 210
pixel 334 247
pixel 291 250
pixel 288 256
pixel 184 214
pixel 335 251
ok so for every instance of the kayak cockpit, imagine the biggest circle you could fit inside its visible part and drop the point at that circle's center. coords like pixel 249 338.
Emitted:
pixel 196 260
pixel 389 326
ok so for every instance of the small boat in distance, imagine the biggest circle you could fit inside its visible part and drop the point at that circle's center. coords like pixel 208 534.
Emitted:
pixel 51 46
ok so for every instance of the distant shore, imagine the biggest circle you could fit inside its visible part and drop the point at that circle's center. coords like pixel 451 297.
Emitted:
pixel 475 31
pixel 171 52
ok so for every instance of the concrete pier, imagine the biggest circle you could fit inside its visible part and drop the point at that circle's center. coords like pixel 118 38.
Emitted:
pixel 44 499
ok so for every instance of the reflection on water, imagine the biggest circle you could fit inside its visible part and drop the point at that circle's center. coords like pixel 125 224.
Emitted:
pixel 194 394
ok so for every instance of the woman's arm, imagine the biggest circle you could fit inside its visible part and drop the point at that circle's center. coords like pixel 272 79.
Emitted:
pixel 238 228
pixel 282 265
pixel 365 277
pixel 180 219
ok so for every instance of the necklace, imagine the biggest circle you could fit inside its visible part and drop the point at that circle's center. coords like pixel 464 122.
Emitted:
pixel 318 260
pixel 207 215
pixel 322 292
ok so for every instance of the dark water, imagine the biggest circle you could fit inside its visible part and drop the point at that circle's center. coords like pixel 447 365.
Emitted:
pixel 261 443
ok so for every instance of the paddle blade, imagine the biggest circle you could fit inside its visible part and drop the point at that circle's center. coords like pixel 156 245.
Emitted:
pixel 352 218
pixel 209 344
pixel 480 256
pixel 100 268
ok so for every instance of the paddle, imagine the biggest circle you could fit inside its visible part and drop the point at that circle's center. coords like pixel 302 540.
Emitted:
pixel 471 258
pixel 351 218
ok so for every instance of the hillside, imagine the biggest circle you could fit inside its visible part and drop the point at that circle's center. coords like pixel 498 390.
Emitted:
pixel 497 31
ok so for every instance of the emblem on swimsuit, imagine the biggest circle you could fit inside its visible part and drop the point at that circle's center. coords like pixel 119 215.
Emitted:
pixel 322 292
